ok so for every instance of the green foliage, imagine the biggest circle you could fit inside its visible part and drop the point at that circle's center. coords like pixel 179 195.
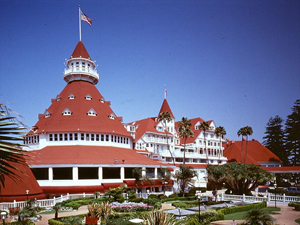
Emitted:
pixel 239 178
pixel 181 205
pixel 55 222
pixel 293 204
pixel 185 132
pixel 74 205
pixel 159 218
pixel 116 193
pixel 206 217
pixel 242 208
pixel 131 195
pixel 11 131
pixel 72 220
pixel 256 216
pixel 102 209
pixel 184 177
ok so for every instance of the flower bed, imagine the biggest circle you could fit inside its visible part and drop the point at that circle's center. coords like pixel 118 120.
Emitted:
pixel 130 207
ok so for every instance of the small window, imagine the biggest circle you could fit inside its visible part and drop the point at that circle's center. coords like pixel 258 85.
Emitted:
pixel 82 136
pixel 75 136
pixel 67 112
pixel 92 112
pixel 47 114
pixel 112 116
pixel 71 96
pixel 102 100
pixel 50 137
pixel 88 97
pixel 71 136
pixel 58 98
pixel 102 137
pixel 60 137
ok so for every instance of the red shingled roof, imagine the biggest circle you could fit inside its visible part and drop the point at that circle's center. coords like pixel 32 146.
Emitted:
pixel 79 121
pixel 256 152
pixel 166 108
pixel 79 154
pixel 16 189
pixel 80 52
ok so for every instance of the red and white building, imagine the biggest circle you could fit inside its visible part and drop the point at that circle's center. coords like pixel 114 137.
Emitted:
pixel 79 144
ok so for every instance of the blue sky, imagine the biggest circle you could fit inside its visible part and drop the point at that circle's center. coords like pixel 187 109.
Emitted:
pixel 234 62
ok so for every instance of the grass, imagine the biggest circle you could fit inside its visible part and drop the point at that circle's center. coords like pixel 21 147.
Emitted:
pixel 240 215
pixel 297 221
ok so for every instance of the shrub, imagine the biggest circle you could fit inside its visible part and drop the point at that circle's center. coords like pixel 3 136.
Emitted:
pixel 55 222
pixel 242 208
pixel 74 205
pixel 293 204
pixel 256 216
pixel 206 218
pixel 137 200
pixel 181 205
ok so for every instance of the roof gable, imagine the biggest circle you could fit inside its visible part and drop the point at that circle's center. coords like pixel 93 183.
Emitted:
pixel 166 108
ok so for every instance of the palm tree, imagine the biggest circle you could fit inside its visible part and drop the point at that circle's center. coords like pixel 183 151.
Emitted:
pixel 185 132
pixel 205 126
pixel 166 117
pixel 164 176
pixel 184 177
pixel 248 132
pixel 220 132
pixel 243 133
pixel 11 129
pixel 137 173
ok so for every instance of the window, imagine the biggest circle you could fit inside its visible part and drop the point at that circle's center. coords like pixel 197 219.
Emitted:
pixel 82 136
pixel 150 172
pixel 47 114
pixel 97 137
pixel 88 173
pixel 55 137
pixel 88 97
pixel 111 172
pixel 92 112
pixel 92 137
pixel 112 116
pixel 129 172
pixel 66 137
pixel 62 173
pixel 102 137
pixel 107 137
pixel 71 96
pixel 75 136
pixel 40 173
pixel 60 137
pixel 67 112
pixel 50 137
pixel 71 136
pixel 87 137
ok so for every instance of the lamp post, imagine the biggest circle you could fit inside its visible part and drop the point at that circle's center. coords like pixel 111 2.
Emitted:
pixel 27 192
pixel 3 216
pixel 199 199
pixel 275 185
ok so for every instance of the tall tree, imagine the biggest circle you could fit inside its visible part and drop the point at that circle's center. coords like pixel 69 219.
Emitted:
pixel 138 176
pixel 11 131
pixel 274 139
pixel 248 132
pixel 164 176
pixel 205 126
pixel 165 117
pixel 184 177
pixel 238 177
pixel 242 132
pixel 220 132
pixel 185 132
pixel 292 130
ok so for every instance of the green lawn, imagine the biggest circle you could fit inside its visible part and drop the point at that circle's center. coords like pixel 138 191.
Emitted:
pixel 240 215
pixel 297 221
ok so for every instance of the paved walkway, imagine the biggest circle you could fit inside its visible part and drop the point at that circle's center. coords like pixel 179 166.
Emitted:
pixel 287 215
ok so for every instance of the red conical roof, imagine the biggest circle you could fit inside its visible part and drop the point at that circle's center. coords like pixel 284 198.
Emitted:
pixel 73 99
pixel 166 108
pixel 80 52
pixel 16 189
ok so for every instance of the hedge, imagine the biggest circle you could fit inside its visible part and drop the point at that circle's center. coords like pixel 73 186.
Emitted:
pixel 55 222
pixel 242 208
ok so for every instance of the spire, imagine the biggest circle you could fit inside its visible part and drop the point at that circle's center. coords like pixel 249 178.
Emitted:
pixel 166 108
pixel 80 66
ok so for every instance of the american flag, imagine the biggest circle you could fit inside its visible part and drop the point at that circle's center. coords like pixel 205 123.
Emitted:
pixel 86 18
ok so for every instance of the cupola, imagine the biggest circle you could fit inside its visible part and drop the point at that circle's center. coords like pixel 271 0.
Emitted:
pixel 80 66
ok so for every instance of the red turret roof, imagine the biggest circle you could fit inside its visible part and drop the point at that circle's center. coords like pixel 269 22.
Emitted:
pixel 166 108
pixel 256 152
pixel 15 189
pixel 79 120
pixel 80 52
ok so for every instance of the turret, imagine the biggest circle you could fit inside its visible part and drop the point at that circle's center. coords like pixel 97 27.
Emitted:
pixel 80 66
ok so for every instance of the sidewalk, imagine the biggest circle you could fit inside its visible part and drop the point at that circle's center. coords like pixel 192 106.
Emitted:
pixel 287 215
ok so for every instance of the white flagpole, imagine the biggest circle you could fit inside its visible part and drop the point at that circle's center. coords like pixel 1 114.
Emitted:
pixel 79 24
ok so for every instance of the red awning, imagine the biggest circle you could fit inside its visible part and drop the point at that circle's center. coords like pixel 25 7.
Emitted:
pixel 141 184
pixel 107 186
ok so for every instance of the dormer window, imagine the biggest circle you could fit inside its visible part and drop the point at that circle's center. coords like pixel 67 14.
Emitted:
pixel 112 116
pixel 88 97
pixel 92 112
pixel 102 100
pixel 67 112
pixel 58 98
pixel 71 96
pixel 47 114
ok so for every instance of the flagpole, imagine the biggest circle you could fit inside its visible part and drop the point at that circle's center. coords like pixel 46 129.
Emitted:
pixel 79 24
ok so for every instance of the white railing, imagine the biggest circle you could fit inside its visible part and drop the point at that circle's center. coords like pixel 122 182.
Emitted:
pixel 268 198
pixel 43 202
